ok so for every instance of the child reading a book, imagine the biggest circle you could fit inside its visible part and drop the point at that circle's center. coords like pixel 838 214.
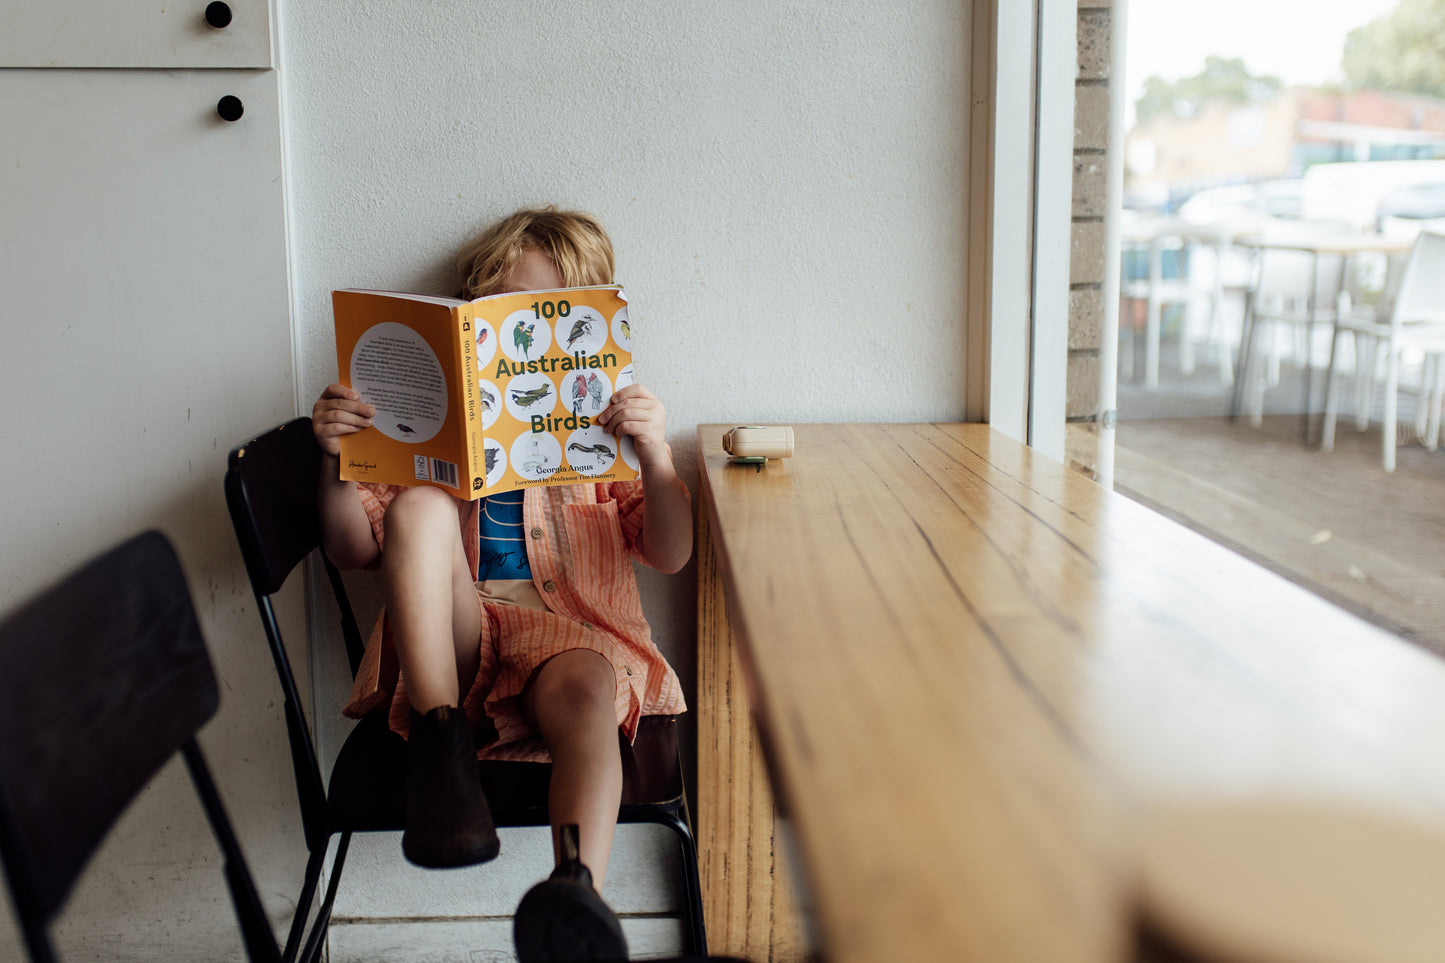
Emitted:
pixel 513 621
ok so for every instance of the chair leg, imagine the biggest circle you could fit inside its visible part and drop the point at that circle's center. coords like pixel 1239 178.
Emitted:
pixel 312 952
pixel 255 926
pixel 37 940
pixel 691 883
pixel 1151 341
pixel 1366 358
pixel 1220 337
pixel 303 904
pixel 1126 356
pixel 1246 356
pixel 1392 388
pixel 1327 428
pixel 1437 396
pixel 1186 338
pixel 1422 406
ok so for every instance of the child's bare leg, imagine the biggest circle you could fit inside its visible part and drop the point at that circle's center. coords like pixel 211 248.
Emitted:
pixel 571 703
pixel 430 597
pixel 436 621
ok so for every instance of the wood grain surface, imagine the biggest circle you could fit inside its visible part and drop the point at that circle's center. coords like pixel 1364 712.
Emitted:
pixel 975 674
pixel 748 898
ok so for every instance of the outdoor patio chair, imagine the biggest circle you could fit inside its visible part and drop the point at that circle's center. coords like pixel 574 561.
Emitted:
pixel 271 492
pixel 1361 305
pixel 1292 292
pixel 1162 271
pixel 103 679
pixel 1415 323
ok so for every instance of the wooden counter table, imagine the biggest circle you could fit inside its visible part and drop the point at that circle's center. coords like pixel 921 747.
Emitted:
pixel 975 674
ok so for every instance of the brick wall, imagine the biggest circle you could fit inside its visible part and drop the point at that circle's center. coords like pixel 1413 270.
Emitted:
pixel 1086 265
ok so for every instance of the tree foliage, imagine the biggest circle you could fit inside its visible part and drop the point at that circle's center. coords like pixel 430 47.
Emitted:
pixel 1403 51
pixel 1222 79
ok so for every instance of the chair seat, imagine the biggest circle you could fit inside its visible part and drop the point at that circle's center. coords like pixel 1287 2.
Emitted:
pixel 367 790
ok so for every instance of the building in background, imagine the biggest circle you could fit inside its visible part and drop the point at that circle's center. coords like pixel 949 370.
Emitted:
pixel 1171 157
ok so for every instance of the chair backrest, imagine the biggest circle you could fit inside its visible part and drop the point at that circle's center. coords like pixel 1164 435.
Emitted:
pixel 271 493
pixel 1285 277
pixel 271 482
pixel 103 679
pixel 1421 297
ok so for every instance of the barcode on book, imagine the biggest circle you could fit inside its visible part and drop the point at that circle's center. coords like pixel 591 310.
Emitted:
pixel 444 472
pixel 433 469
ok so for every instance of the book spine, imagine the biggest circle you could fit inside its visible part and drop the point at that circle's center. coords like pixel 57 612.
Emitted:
pixel 474 481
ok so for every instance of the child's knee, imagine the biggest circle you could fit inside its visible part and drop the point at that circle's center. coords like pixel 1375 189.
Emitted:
pixel 422 506
pixel 581 680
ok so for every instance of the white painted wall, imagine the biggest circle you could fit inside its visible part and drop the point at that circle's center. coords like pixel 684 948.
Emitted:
pixel 784 184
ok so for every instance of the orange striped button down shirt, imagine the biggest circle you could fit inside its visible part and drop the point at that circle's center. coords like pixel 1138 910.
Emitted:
pixel 581 540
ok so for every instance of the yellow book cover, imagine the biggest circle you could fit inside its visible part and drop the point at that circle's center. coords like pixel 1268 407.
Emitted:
pixel 485 396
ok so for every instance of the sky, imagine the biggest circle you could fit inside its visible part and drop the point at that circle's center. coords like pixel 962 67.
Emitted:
pixel 1297 40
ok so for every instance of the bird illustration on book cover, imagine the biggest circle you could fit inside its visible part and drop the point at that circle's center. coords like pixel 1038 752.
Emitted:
pixel 579 393
pixel 581 328
pixel 531 396
pixel 522 337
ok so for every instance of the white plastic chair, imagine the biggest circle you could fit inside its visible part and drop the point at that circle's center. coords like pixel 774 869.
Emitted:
pixel 1156 291
pixel 1293 291
pixel 1196 291
pixel 1416 322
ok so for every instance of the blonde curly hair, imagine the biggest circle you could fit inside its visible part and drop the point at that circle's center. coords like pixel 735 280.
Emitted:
pixel 575 241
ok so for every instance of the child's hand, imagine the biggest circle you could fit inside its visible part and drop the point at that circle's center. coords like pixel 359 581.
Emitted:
pixel 635 412
pixel 339 411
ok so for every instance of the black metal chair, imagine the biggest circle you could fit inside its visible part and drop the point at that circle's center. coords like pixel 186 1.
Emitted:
pixel 271 491
pixel 103 679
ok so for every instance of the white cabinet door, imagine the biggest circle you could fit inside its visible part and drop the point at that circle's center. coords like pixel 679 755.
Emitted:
pixel 134 33
pixel 145 312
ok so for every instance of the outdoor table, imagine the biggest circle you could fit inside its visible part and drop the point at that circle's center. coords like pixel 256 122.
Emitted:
pixel 1343 246
pixel 976 675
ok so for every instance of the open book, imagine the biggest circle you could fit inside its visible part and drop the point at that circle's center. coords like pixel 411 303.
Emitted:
pixel 485 396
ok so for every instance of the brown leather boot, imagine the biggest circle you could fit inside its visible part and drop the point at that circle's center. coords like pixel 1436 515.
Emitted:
pixel 563 920
pixel 448 822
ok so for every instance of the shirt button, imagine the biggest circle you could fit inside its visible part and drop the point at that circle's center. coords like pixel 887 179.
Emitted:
pixel 549 586
pixel 629 669
pixel 537 532
pixel 587 625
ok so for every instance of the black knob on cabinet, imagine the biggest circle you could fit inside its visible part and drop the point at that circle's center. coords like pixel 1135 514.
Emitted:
pixel 230 107
pixel 218 14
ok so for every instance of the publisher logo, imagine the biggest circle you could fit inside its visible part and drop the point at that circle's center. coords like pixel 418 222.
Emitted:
pixel 477 484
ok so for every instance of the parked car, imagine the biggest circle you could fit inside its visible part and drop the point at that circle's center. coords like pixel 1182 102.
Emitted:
pixel 1235 202
pixel 1353 192
pixel 1413 208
